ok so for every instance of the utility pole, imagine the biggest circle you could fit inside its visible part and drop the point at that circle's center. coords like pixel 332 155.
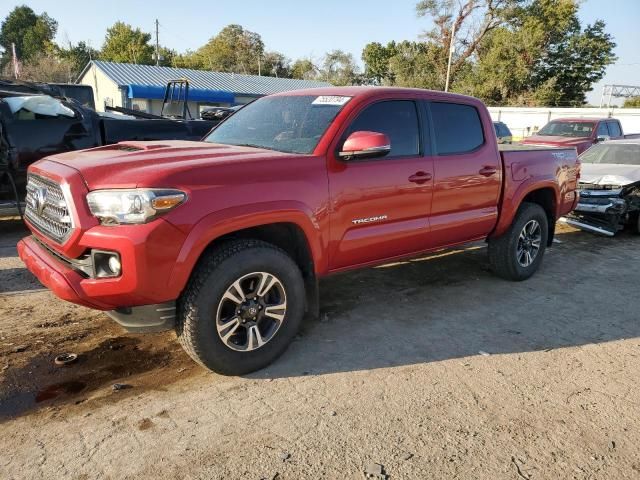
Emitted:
pixel 16 63
pixel 157 44
pixel 452 46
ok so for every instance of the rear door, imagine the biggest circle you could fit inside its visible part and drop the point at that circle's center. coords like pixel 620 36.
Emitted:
pixel 467 174
pixel 380 207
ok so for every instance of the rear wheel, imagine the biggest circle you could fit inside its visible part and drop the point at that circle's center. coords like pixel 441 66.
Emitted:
pixel 242 307
pixel 517 254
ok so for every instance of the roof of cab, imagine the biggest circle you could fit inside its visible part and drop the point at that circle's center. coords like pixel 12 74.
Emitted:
pixel 581 119
pixel 371 91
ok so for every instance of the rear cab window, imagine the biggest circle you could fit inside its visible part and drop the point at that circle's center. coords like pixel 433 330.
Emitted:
pixel 457 128
pixel 603 131
pixel 614 128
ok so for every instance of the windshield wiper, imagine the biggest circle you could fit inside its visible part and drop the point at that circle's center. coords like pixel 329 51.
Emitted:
pixel 256 146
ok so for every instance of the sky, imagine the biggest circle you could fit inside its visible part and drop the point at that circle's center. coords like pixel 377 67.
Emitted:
pixel 305 29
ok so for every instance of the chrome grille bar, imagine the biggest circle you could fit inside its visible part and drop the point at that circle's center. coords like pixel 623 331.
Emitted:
pixel 47 209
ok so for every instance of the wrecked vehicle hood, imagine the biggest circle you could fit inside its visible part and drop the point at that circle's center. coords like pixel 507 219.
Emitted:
pixel 609 174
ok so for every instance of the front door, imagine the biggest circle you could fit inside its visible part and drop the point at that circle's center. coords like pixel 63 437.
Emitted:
pixel 380 207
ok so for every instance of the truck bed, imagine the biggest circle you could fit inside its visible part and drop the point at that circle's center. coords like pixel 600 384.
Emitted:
pixel 526 167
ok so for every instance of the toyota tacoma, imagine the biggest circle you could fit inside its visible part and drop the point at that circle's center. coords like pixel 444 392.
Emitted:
pixel 224 239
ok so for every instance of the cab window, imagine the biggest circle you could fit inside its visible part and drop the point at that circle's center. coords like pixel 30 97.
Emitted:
pixel 614 129
pixel 457 128
pixel 398 119
pixel 603 131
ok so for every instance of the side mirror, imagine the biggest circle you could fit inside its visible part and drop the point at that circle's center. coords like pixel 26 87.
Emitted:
pixel 365 145
pixel 602 138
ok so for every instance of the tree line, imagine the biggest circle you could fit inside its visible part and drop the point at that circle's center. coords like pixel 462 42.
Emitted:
pixel 506 52
pixel 233 49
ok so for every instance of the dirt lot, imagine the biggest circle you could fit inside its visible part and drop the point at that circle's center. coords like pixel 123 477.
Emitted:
pixel 432 368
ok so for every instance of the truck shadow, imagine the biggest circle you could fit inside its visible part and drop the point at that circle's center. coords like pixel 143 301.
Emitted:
pixel 18 280
pixel 11 230
pixel 448 305
pixel 441 306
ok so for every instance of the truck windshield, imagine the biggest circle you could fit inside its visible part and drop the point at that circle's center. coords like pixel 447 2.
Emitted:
pixel 620 153
pixel 292 124
pixel 567 129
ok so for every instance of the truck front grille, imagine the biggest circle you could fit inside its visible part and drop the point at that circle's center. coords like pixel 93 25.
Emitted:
pixel 47 209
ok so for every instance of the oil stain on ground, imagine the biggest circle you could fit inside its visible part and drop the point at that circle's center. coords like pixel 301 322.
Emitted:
pixel 154 361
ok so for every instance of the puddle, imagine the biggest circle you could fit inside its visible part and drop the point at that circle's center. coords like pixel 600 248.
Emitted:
pixel 57 389
pixel 146 362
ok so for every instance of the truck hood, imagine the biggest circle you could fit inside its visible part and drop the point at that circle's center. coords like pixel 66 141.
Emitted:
pixel 611 174
pixel 155 163
pixel 557 140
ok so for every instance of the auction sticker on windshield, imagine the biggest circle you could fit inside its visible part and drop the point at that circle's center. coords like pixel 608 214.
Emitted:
pixel 331 100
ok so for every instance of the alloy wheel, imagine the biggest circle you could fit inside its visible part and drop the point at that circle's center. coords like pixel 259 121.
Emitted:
pixel 529 243
pixel 251 311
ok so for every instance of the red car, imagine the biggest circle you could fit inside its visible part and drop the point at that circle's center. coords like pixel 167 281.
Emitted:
pixel 225 239
pixel 578 133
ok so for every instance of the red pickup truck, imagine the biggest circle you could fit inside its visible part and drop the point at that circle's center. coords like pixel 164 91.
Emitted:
pixel 578 133
pixel 224 239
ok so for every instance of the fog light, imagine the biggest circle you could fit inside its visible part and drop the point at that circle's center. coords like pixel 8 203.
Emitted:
pixel 114 265
pixel 106 264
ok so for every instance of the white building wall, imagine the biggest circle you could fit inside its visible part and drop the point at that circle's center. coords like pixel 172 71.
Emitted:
pixel 524 121
pixel 105 91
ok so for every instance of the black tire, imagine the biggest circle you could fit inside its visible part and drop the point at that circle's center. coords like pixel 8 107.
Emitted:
pixel 199 304
pixel 503 251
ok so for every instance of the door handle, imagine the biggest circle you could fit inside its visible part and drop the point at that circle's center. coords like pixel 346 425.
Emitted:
pixel 487 171
pixel 420 177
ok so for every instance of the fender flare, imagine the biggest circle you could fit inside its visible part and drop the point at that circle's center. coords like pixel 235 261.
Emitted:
pixel 514 200
pixel 233 219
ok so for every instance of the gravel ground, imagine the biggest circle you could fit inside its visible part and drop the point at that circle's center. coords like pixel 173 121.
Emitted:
pixel 431 368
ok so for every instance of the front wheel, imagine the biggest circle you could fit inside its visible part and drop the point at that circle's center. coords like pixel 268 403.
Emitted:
pixel 517 254
pixel 242 307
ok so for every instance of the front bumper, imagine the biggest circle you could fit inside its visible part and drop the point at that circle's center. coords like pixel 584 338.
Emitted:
pixel 599 211
pixel 67 283
pixel 147 253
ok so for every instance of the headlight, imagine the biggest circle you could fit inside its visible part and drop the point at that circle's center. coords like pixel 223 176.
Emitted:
pixel 138 205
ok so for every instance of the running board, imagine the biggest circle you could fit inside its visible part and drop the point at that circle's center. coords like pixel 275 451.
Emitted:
pixel 587 227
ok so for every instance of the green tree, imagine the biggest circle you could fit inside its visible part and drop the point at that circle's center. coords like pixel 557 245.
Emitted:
pixel 188 59
pixel 275 64
pixel 234 49
pixel 417 64
pixel 543 57
pixel 467 23
pixel 123 43
pixel 77 56
pixel 303 69
pixel 32 34
pixel 576 62
pixel 44 67
pixel 633 102
pixel 376 60
pixel 339 68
